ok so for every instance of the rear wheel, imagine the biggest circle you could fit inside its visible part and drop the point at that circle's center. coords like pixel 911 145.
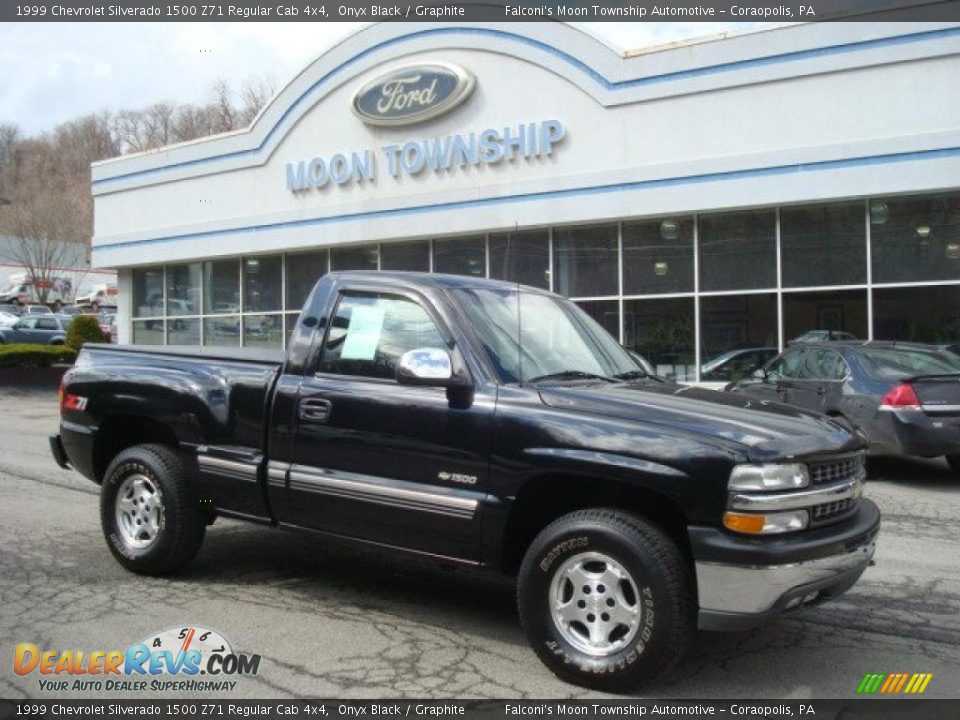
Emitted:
pixel 149 512
pixel 606 600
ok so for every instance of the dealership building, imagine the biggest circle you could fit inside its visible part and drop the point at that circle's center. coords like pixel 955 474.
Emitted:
pixel 720 196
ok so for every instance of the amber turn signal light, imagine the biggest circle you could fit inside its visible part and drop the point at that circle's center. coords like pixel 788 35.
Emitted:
pixel 739 522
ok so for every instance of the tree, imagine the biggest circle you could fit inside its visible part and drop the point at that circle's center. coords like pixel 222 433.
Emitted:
pixel 47 216
pixel 45 203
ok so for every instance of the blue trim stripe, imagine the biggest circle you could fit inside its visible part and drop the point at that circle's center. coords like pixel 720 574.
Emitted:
pixel 574 62
pixel 772 171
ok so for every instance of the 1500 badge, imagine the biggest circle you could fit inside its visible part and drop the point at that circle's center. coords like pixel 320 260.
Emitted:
pixel 457 478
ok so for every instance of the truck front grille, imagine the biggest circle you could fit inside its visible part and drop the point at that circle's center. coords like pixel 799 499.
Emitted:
pixel 846 468
pixel 832 510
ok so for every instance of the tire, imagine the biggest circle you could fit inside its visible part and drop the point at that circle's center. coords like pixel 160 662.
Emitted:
pixel 149 473
pixel 954 462
pixel 659 579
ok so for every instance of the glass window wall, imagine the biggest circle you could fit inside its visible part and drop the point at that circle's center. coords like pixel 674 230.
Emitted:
pixel 917 314
pixel 585 261
pixel 823 245
pixel 365 257
pixel 262 281
pixel 833 315
pixel 914 289
pixel 302 272
pixel 658 256
pixel 183 289
pixel 408 256
pixel 522 257
pixel 662 332
pixel 147 292
pixel 221 286
pixel 738 251
pixel 461 256
pixel 738 333
pixel 915 239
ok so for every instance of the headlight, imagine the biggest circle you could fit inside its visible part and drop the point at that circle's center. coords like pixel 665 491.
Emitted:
pixel 775 476
pixel 768 524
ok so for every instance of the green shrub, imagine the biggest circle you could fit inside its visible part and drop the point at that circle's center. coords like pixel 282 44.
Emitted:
pixel 25 355
pixel 84 329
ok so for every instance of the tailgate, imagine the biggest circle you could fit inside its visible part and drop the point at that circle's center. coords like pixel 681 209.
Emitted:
pixel 938 394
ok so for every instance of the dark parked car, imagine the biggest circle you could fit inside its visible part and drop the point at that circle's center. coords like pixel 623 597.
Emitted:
pixel 38 329
pixel 736 364
pixel 905 397
pixel 417 412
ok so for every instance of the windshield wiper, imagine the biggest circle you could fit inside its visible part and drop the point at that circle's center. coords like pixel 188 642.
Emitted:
pixel 632 375
pixel 571 375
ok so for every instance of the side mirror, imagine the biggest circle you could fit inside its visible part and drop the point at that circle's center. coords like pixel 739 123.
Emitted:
pixel 431 367
pixel 760 374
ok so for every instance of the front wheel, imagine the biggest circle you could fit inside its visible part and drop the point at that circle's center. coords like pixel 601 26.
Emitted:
pixel 149 511
pixel 606 600
pixel 954 462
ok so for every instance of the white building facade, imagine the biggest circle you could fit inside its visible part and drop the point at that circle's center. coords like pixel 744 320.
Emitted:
pixel 706 202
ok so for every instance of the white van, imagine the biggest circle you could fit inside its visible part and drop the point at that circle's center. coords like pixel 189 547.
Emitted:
pixel 21 291
pixel 99 296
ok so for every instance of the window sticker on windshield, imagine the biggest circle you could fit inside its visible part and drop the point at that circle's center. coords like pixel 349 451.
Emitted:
pixel 363 334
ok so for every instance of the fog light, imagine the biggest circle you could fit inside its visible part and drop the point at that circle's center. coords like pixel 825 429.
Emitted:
pixel 769 524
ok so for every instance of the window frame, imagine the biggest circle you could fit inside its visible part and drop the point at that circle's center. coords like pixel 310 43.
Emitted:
pixel 802 351
pixel 379 290
pixel 818 378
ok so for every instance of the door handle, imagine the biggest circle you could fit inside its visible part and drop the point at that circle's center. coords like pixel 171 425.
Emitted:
pixel 821 390
pixel 315 410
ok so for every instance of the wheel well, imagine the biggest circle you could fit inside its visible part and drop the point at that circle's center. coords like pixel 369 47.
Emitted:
pixel 119 432
pixel 542 500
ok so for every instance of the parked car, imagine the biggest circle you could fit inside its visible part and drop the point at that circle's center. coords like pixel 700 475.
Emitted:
pixel 72 311
pixel 36 310
pixel 822 335
pixel 43 329
pixel 421 412
pixel 10 309
pixel 8 319
pixel 736 364
pixel 905 397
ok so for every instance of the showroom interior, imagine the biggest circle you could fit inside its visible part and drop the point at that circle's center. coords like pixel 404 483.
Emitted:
pixel 708 200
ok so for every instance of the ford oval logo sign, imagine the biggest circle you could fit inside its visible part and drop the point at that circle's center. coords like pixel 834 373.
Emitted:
pixel 413 93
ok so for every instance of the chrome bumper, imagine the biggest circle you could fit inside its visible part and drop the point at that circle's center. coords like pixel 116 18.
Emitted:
pixel 738 596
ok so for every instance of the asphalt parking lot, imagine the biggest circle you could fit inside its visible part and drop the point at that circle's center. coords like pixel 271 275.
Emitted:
pixel 332 621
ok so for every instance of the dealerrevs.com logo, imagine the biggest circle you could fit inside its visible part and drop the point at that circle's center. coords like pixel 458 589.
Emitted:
pixel 170 660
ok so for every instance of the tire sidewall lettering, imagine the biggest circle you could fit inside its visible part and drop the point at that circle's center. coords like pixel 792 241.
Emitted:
pixel 576 543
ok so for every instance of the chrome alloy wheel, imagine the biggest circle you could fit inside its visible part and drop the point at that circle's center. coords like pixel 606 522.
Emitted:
pixel 594 604
pixel 139 511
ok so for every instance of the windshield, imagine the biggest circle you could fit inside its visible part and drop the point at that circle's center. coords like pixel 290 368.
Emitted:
pixel 557 337
pixel 903 362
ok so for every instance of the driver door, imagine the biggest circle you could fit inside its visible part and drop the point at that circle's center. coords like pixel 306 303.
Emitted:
pixel 773 386
pixel 370 458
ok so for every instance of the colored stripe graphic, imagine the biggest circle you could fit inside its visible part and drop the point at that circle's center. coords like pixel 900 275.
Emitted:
pixel 894 683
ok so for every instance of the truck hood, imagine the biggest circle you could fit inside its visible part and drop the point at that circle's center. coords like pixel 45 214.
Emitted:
pixel 767 431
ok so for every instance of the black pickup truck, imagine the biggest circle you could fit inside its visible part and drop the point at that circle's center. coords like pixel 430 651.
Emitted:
pixel 492 425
